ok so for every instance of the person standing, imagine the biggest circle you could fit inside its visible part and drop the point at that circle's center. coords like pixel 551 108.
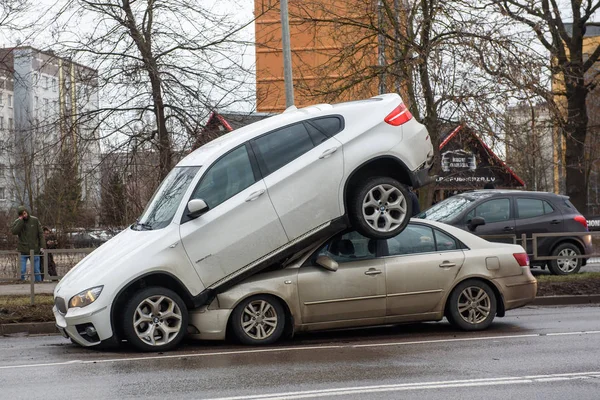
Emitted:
pixel 51 243
pixel 28 229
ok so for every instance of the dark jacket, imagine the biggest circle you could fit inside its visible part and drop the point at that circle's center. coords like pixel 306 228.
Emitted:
pixel 30 234
pixel 416 208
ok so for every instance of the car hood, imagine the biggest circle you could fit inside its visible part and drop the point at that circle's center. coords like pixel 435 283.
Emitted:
pixel 116 253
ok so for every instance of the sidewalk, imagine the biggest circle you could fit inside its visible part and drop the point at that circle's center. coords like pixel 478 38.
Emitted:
pixel 24 289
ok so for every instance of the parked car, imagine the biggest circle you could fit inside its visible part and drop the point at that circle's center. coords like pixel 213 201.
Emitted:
pixel 506 212
pixel 428 271
pixel 248 200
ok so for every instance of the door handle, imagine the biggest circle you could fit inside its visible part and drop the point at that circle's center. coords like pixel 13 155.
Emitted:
pixel 373 271
pixel 328 152
pixel 447 264
pixel 255 195
pixel 554 222
pixel 508 229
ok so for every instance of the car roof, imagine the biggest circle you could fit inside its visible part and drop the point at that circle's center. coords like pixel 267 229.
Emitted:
pixel 483 193
pixel 233 139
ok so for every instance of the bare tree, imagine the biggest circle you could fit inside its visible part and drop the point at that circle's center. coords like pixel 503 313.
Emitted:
pixel 164 62
pixel 568 64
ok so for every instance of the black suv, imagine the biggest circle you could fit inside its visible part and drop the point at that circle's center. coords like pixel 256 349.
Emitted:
pixel 515 212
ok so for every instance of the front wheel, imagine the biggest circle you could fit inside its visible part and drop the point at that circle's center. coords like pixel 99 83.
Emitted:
pixel 472 306
pixel 155 319
pixel 566 265
pixel 258 320
pixel 379 207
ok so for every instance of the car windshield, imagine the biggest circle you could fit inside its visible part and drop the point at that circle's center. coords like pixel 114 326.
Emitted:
pixel 160 210
pixel 446 210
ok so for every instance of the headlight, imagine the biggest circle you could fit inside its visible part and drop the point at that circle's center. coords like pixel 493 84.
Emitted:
pixel 86 297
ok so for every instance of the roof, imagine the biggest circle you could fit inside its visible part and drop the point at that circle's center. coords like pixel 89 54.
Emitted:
pixel 448 136
pixel 233 121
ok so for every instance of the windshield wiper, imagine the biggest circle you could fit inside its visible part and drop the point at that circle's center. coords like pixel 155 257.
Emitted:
pixel 143 226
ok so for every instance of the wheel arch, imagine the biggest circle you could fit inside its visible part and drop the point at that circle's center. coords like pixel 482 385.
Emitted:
pixel 569 240
pixel 500 306
pixel 378 166
pixel 156 278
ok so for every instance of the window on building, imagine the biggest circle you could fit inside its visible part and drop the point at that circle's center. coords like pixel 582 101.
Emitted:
pixel 1 123
pixel 54 85
pixel 46 83
pixel 46 110
pixel 2 193
pixel 55 107
pixel 10 124
pixel 1 98
pixel 10 100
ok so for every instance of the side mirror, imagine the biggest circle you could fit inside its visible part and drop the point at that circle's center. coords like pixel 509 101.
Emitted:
pixel 328 263
pixel 196 208
pixel 475 222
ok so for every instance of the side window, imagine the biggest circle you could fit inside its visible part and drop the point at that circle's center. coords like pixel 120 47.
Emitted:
pixel 351 246
pixel 444 242
pixel 529 208
pixel 548 209
pixel 225 178
pixel 494 210
pixel 316 135
pixel 280 147
pixel 329 125
pixel 413 239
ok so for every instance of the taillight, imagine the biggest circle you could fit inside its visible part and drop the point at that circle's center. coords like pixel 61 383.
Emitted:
pixel 399 116
pixel 581 219
pixel 522 259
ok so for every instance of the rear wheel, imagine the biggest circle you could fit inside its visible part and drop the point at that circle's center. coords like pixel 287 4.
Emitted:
pixel 472 306
pixel 379 207
pixel 155 319
pixel 568 264
pixel 258 320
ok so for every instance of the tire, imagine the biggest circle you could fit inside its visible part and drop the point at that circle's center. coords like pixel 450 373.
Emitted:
pixel 258 320
pixel 476 316
pixel 161 317
pixel 565 266
pixel 393 214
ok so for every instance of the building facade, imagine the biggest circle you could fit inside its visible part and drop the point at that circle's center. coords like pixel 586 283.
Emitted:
pixel 49 110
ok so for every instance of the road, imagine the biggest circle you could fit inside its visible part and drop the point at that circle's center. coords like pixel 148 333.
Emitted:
pixel 534 352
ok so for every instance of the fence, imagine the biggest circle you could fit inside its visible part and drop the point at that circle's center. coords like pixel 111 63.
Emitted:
pixel 531 244
pixel 65 259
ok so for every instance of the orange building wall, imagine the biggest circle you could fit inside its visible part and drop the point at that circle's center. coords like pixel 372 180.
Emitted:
pixel 315 48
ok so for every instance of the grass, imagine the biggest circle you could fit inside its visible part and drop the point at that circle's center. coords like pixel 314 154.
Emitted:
pixel 568 278
pixel 17 309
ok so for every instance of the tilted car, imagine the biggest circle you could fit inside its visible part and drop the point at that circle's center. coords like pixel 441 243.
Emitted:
pixel 512 213
pixel 428 271
pixel 243 202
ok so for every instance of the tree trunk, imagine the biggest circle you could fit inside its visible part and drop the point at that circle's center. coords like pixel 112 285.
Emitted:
pixel 575 132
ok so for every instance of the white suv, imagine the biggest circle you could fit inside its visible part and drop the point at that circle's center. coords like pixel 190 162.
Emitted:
pixel 242 203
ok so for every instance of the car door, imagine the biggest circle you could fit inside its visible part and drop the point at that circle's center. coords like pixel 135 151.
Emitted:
pixel 421 265
pixel 356 291
pixel 303 170
pixel 499 220
pixel 240 225
pixel 537 216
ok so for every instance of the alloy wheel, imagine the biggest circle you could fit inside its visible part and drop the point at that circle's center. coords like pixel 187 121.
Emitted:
pixel 474 305
pixel 384 208
pixel 157 320
pixel 566 264
pixel 259 319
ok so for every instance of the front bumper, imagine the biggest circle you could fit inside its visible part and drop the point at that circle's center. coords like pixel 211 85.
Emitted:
pixel 75 324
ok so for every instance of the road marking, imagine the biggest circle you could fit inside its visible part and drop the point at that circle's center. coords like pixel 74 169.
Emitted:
pixel 298 348
pixel 346 391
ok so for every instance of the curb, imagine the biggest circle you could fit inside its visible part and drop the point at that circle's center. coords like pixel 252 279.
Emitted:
pixel 565 300
pixel 30 328
pixel 48 328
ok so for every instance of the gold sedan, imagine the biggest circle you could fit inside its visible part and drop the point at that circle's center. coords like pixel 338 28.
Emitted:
pixel 427 272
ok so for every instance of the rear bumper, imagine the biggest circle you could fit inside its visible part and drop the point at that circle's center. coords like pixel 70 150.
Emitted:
pixel 518 290
pixel 421 177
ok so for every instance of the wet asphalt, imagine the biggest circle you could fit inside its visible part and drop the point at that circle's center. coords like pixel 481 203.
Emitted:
pixel 534 352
